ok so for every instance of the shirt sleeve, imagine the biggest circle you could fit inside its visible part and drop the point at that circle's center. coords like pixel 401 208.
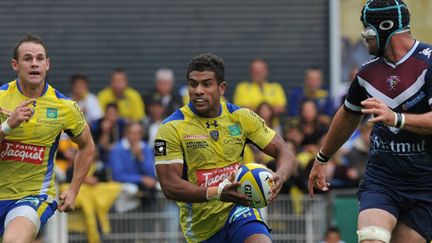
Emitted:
pixel 356 94
pixel 255 128
pixel 75 121
pixel 428 79
pixel 167 145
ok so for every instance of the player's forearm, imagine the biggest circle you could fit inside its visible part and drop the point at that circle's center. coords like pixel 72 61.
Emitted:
pixel 82 162
pixel 184 191
pixel 285 163
pixel 419 123
pixel 341 128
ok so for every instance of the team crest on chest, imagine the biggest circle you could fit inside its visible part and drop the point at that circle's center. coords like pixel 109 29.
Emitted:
pixel 214 135
pixel 392 81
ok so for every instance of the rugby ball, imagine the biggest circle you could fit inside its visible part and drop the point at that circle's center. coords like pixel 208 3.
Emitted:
pixel 255 183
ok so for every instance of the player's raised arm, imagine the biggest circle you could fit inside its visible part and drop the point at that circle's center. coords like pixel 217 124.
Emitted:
pixel 21 114
pixel 343 125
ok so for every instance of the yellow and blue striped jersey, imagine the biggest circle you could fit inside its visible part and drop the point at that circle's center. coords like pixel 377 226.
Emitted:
pixel 27 153
pixel 210 149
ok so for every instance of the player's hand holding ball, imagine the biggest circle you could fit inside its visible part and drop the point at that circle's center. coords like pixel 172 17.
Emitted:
pixel 259 183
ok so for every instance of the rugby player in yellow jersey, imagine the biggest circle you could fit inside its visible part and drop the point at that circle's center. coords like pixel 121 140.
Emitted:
pixel 198 149
pixel 33 115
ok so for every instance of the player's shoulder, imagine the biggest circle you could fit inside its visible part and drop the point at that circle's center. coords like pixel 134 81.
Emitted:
pixel 239 113
pixel 5 88
pixel 177 116
pixel 368 64
pixel 57 98
pixel 423 52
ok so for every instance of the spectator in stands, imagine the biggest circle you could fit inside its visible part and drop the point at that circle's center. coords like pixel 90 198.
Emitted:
pixel 128 100
pixel 132 161
pixel 252 93
pixel 87 101
pixel 312 89
pixel 332 235
pixel 108 130
pixel 164 91
pixel 310 125
pixel 156 114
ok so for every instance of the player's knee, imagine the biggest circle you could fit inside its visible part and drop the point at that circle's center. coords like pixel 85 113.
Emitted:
pixel 374 233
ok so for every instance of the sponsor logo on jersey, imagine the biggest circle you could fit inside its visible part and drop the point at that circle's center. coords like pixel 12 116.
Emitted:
pixel 234 130
pixel 33 200
pixel 212 177
pixel 22 152
pixel 398 147
pixel 196 136
pixel 414 101
pixel 214 135
pixel 232 141
pixel 196 144
pixel 214 123
pixel 51 113
pixel 160 147
pixel 427 52
pixel 392 81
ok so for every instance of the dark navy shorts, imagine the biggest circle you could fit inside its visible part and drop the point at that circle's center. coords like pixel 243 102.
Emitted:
pixel 242 222
pixel 412 207
pixel 43 209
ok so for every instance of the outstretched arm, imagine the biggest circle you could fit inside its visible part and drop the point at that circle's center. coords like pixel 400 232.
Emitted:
pixel 83 160
pixel 343 125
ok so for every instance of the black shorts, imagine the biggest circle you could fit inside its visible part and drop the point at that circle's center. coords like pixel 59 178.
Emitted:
pixel 412 207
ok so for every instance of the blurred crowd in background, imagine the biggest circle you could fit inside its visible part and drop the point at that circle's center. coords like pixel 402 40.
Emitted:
pixel 124 122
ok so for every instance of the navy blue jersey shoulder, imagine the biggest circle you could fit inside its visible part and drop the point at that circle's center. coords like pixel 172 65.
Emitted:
pixel 232 107
pixel 61 96
pixel 176 115
pixel 370 63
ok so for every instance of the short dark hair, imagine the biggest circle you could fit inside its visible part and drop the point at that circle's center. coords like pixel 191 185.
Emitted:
pixel 28 38
pixel 111 105
pixel 332 230
pixel 75 77
pixel 207 62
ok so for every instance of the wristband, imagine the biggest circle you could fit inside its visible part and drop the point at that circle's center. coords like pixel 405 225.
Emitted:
pixel 402 121
pixel 214 193
pixel 5 128
pixel 322 158
pixel 399 120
